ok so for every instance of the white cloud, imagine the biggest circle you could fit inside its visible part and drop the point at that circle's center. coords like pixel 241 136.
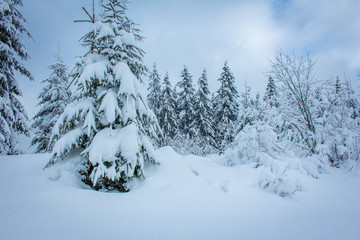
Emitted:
pixel 203 34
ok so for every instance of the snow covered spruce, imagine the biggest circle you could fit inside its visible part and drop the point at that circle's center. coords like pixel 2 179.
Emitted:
pixel 168 119
pixel 226 109
pixel 13 118
pixel 108 122
pixel 53 99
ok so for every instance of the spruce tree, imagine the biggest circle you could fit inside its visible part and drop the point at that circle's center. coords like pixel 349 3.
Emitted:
pixel 13 119
pixel 52 101
pixel 204 116
pixel 168 119
pixel 249 108
pixel 154 91
pixel 226 108
pixel 272 112
pixel 108 122
pixel 271 95
pixel 185 104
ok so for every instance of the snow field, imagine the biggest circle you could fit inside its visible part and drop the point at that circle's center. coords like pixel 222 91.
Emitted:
pixel 185 197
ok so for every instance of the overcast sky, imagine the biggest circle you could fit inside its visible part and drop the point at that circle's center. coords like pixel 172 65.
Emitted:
pixel 203 34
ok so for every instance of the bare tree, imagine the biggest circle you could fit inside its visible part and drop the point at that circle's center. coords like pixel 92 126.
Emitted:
pixel 296 78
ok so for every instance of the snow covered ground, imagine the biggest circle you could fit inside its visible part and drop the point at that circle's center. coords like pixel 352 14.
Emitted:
pixel 186 197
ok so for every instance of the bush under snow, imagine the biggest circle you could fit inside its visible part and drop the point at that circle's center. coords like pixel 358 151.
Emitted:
pixel 280 169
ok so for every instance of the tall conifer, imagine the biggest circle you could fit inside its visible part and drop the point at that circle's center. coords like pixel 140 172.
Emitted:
pixel 186 99
pixel 226 108
pixel 204 116
pixel 168 119
pixel 109 122
pixel 13 118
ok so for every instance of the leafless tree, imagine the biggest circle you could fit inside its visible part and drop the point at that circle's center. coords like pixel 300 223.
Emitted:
pixel 296 78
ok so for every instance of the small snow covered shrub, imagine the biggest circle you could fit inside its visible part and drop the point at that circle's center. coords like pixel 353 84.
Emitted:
pixel 108 122
pixel 279 169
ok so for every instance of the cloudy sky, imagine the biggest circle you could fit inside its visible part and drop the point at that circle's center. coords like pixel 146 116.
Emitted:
pixel 204 33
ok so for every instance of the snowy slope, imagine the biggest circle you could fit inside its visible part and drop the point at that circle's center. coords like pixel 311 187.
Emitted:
pixel 186 197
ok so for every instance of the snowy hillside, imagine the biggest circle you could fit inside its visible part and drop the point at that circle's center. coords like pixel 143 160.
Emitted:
pixel 185 197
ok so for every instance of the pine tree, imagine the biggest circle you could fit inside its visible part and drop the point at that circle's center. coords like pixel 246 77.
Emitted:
pixel 185 104
pixel 108 122
pixel 271 95
pixel 249 109
pixel 226 108
pixel 13 119
pixel 204 116
pixel 168 119
pixel 271 113
pixel 154 91
pixel 52 101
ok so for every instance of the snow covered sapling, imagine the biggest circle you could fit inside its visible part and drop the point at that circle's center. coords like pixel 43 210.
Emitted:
pixel 108 121
pixel 13 119
pixel 52 101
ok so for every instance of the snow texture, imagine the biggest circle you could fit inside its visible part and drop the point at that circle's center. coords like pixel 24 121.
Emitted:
pixel 185 197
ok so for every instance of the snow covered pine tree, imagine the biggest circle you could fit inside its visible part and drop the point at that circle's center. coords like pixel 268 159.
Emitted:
pixel 53 99
pixel 109 122
pixel 204 117
pixel 185 104
pixel 168 118
pixel 154 97
pixel 154 91
pixel 226 108
pixel 13 119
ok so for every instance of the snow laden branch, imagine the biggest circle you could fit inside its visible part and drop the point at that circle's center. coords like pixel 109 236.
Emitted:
pixel 297 83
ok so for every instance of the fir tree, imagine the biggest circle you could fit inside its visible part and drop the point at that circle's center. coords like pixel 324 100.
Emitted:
pixel 271 96
pixel 226 108
pixel 249 109
pixel 186 104
pixel 271 111
pixel 204 116
pixel 246 97
pixel 13 119
pixel 154 91
pixel 53 99
pixel 108 122
pixel 168 119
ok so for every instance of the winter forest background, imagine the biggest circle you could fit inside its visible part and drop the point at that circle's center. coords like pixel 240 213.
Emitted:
pixel 115 106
